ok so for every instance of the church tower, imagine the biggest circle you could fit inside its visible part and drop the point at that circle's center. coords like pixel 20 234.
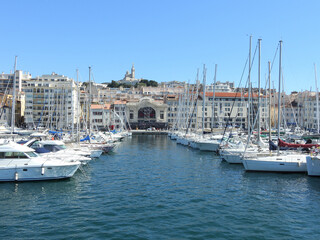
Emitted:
pixel 132 71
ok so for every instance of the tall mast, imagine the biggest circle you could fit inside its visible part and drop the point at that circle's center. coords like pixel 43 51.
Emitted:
pixel 89 100
pixel 259 91
pixel 269 66
pixel 204 97
pixel 213 96
pixel 249 90
pixel 317 97
pixel 78 105
pixel 279 93
pixel 13 110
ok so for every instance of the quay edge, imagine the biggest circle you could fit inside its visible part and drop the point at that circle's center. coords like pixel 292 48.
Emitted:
pixel 145 132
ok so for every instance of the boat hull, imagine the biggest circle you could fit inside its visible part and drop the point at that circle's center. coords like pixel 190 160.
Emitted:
pixel 38 173
pixel 313 166
pixel 232 158
pixel 208 146
pixel 276 164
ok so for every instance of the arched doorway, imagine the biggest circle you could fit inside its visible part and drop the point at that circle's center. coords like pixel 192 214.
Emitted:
pixel 146 118
pixel 146 114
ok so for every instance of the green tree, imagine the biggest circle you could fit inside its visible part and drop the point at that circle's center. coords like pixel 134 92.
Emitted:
pixel 113 84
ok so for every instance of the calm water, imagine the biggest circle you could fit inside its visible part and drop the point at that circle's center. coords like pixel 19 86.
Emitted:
pixel 152 188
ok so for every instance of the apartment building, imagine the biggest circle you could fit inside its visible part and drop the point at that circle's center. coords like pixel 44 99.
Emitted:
pixel 51 102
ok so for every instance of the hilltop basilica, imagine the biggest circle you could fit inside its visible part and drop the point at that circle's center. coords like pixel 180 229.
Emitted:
pixel 129 78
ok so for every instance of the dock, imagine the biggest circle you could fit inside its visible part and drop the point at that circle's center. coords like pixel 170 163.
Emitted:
pixel 146 132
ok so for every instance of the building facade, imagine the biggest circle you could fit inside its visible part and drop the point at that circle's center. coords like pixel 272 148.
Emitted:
pixel 147 113
pixel 51 102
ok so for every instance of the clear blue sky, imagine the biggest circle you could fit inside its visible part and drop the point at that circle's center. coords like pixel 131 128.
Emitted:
pixel 165 39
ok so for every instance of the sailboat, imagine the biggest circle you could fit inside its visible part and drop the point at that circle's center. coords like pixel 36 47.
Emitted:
pixel 313 162
pixel 213 143
pixel 283 162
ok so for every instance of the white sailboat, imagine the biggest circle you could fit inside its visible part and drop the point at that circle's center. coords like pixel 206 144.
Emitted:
pixel 313 165
pixel 313 162
pixel 280 162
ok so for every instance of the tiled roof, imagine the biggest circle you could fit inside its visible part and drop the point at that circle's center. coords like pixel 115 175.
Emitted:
pixel 119 102
pixel 229 95
pixel 99 106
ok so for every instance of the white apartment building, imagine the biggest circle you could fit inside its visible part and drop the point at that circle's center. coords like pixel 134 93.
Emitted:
pixel 230 108
pixel 6 81
pixel 220 87
pixel 300 111
pixel 51 102
pixel 309 112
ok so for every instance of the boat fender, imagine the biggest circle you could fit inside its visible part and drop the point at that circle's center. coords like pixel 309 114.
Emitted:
pixel 16 176
pixel 42 170
pixel 299 164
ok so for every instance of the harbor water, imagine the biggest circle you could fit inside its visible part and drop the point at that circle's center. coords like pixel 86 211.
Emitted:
pixel 152 188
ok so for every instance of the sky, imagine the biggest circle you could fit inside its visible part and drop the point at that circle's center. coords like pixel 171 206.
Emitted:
pixel 166 40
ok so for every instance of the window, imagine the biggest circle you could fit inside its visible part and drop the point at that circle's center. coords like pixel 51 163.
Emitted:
pixel 13 155
pixel 161 115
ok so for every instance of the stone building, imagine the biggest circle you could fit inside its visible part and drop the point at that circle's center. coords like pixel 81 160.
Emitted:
pixel 146 113
pixel 129 78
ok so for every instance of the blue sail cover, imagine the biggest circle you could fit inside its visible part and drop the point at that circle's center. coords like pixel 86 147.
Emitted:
pixel 55 132
pixel 87 138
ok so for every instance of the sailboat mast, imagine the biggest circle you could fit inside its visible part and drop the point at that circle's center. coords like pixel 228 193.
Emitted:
pixel 13 115
pixel 204 97
pixel 89 100
pixel 259 91
pixel 213 96
pixel 279 93
pixel 269 66
pixel 317 97
pixel 78 106
pixel 249 90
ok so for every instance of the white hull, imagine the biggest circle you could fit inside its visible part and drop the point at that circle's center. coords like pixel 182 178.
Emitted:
pixel 26 173
pixel 208 146
pixel 232 158
pixel 193 144
pixel 173 137
pixel 183 141
pixel 313 166
pixel 96 153
pixel 287 163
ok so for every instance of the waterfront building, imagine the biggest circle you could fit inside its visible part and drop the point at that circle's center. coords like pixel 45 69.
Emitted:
pixel 220 87
pixel 300 110
pixel 101 116
pixel 6 81
pixel 51 102
pixel 6 109
pixel 309 105
pixel 147 112
pixel 6 89
pixel 230 109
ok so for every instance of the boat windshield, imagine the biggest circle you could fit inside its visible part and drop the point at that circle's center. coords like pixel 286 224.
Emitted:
pixel 31 154
pixel 54 148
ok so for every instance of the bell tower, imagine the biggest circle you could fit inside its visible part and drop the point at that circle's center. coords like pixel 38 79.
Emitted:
pixel 133 72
